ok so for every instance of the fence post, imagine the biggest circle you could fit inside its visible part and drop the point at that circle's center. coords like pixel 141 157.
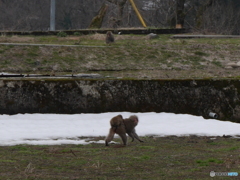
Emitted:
pixel 52 15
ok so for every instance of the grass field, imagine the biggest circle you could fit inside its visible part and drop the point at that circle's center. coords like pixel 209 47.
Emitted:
pixel 170 157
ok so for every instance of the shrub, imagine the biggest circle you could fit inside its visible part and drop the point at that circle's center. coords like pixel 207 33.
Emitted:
pixel 61 34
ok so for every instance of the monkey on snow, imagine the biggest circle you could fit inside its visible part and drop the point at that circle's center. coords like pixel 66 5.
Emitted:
pixel 122 127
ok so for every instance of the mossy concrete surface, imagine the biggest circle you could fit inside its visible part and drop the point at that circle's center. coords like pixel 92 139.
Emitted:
pixel 74 95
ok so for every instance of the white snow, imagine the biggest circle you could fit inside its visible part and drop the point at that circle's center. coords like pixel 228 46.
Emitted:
pixel 55 129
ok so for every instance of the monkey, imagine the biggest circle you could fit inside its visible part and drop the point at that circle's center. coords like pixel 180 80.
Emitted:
pixel 130 124
pixel 122 127
pixel 109 37
pixel 117 126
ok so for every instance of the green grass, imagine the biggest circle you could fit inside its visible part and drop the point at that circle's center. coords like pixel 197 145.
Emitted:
pixel 217 63
pixel 209 161
pixel 199 53
pixel 157 158
pixel 32 54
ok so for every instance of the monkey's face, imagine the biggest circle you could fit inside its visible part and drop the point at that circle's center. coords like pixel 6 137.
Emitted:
pixel 135 120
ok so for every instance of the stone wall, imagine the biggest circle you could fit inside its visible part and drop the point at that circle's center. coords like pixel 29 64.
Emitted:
pixel 197 97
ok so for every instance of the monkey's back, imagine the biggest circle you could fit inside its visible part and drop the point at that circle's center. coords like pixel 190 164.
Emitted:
pixel 109 37
pixel 130 123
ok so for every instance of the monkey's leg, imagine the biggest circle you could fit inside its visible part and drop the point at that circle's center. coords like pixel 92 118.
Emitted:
pixel 136 136
pixel 131 135
pixel 124 138
pixel 109 137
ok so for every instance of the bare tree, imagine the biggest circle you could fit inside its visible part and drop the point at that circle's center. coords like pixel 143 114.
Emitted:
pixel 215 16
pixel 98 20
pixel 221 17
pixel 30 15
pixel 72 14
pixel 180 13
pixel 24 15
pixel 120 7
pixel 165 12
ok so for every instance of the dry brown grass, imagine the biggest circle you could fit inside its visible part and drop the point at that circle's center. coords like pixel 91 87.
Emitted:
pixel 14 39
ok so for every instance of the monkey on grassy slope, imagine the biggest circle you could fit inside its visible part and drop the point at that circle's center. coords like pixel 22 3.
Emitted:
pixel 109 37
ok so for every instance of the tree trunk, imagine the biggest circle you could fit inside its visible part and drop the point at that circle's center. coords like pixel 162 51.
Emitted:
pixel 97 20
pixel 200 12
pixel 120 5
pixel 180 14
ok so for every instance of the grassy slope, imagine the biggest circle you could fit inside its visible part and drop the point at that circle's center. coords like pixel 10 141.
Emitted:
pixel 130 56
pixel 157 158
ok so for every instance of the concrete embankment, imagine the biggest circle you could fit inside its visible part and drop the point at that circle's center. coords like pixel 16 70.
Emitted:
pixel 75 95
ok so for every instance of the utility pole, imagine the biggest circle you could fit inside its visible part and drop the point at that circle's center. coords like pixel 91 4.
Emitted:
pixel 52 15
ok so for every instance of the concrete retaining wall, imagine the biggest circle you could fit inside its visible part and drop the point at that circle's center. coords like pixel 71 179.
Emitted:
pixel 197 97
